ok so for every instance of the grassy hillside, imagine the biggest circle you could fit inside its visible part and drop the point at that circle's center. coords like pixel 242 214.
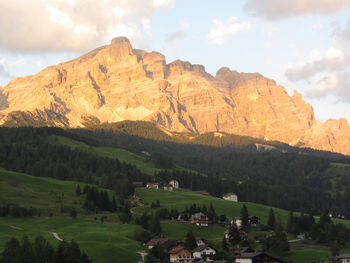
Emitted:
pixel 108 242
pixel 103 243
pixel 50 196
pixel 179 199
pixel 141 162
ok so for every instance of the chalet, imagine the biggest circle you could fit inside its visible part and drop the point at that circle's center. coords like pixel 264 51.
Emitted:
pixel 152 185
pixel 174 183
pixel 237 221
pixel 254 220
pixel 164 242
pixel 168 187
pixel 230 197
pixel 200 219
pixel 203 251
pixel 180 254
pixel 343 258
pixel 256 257
pixel 200 241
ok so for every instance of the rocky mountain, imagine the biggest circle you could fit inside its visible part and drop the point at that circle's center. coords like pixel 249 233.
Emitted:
pixel 116 82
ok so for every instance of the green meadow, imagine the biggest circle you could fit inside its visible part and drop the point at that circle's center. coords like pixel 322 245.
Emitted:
pixel 143 163
pixel 103 243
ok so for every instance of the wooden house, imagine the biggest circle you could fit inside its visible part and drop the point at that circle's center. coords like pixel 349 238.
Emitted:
pixel 152 185
pixel 256 257
pixel 200 219
pixel 180 254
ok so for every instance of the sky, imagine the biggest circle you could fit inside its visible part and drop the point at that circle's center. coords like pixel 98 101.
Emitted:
pixel 301 44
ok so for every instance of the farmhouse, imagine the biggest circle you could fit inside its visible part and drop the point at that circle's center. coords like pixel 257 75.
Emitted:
pixel 257 257
pixel 200 219
pixel 203 251
pixel 180 254
pixel 237 221
pixel 152 185
pixel 174 183
pixel 230 197
pixel 343 258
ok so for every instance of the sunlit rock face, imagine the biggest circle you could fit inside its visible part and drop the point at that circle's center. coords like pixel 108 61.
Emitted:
pixel 116 82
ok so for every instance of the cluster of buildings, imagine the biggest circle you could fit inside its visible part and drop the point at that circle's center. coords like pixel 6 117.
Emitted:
pixel 173 184
pixel 178 252
pixel 204 253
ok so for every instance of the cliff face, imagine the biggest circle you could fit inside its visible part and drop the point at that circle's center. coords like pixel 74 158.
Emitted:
pixel 117 82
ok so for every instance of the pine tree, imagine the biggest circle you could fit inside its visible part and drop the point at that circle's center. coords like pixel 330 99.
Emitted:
pixel 233 235
pixel 245 217
pixel 190 240
pixel 11 251
pixel 290 223
pixel 78 190
pixel 271 221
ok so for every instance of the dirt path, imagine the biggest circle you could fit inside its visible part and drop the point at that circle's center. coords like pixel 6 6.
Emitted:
pixel 55 235
pixel 17 228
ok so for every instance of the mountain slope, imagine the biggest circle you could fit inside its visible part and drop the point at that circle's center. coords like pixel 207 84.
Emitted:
pixel 116 82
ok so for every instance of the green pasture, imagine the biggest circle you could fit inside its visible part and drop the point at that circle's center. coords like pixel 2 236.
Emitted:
pixel 103 243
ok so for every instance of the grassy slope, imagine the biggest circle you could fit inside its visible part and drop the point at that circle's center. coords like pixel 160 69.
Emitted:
pixel 179 200
pixel 141 162
pixel 301 252
pixel 102 242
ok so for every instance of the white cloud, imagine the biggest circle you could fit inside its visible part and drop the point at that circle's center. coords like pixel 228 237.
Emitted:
pixel 163 3
pixel 173 36
pixel 326 73
pixel 222 30
pixel 72 25
pixel 281 9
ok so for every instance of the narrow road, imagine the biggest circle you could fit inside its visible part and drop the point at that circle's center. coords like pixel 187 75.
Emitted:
pixel 55 235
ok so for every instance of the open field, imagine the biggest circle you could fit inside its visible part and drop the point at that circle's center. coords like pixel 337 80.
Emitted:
pixel 340 164
pixel 141 162
pixel 103 243
pixel 179 200
pixel 50 196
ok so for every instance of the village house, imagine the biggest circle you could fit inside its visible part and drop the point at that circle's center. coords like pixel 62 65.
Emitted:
pixel 256 257
pixel 230 197
pixel 200 219
pixel 345 258
pixel 174 183
pixel 242 233
pixel 203 251
pixel 180 254
pixel 184 216
pixel 152 185
pixel 237 221
pixel 168 187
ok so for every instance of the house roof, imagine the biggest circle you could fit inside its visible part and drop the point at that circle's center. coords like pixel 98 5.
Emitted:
pixel 255 254
pixel 175 181
pixel 344 256
pixel 199 215
pixel 201 248
pixel 178 249
pixel 157 241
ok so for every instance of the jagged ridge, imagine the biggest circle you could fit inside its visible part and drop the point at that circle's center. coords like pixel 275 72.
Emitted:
pixel 116 82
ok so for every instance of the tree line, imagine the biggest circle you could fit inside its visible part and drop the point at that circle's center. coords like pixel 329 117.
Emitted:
pixel 41 251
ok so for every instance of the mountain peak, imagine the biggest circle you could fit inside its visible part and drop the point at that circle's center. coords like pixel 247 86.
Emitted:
pixel 116 82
